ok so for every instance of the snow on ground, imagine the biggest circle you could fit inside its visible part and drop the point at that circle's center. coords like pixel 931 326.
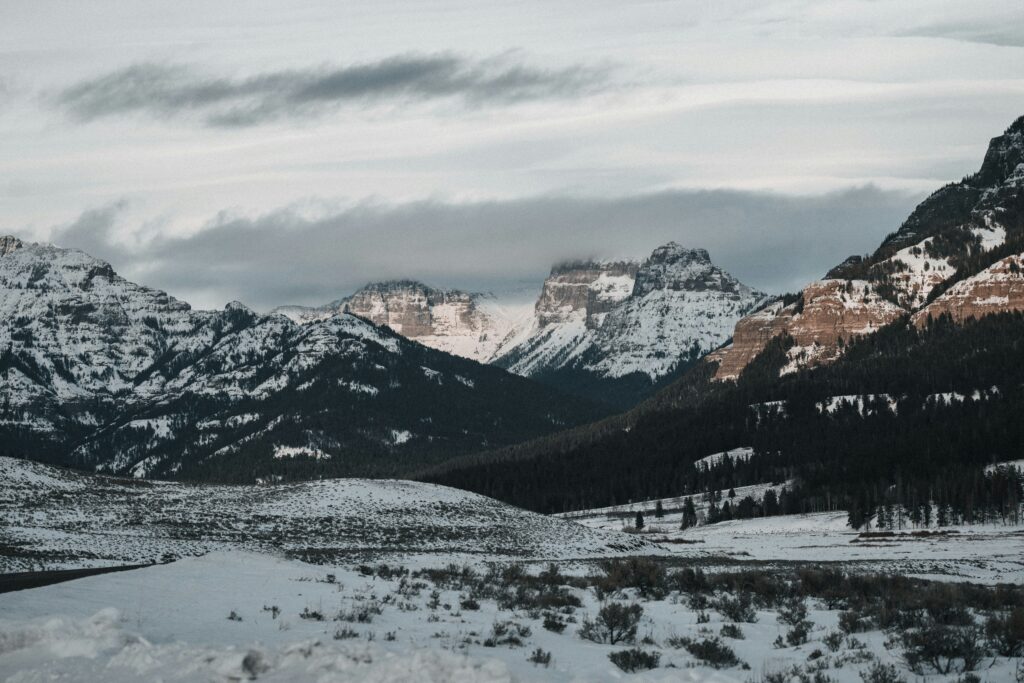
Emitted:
pixel 1016 464
pixel 983 553
pixel 258 558
pixel 743 453
pixel 616 516
pixel 56 519
pixel 171 622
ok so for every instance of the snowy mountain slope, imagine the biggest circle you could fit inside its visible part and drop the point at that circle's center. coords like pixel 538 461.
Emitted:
pixel 470 325
pixel 610 329
pixel 62 519
pixel 625 320
pixel 103 373
pixel 955 234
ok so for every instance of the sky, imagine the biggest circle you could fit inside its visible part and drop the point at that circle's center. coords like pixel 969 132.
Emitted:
pixel 289 152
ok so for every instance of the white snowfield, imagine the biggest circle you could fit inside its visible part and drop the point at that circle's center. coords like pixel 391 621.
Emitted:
pixel 290 611
pixel 982 553
pixel 171 623
pixel 62 519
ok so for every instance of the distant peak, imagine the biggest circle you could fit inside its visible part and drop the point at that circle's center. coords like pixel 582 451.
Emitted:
pixel 610 265
pixel 9 243
pixel 1016 127
pixel 673 252
pixel 237 306
pixel 1003 156
pixel 395 285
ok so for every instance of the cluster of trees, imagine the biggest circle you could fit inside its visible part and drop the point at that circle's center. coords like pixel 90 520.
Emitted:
pixel 922 434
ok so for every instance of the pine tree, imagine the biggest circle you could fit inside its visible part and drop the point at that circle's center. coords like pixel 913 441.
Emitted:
pixel 639 521
pixel 659 511
pixel 689 514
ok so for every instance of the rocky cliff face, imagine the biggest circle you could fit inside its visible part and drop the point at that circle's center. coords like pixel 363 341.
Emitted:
pixel 584 290
pixel 968 235
pixel 828 314
pixel 100 372
pixel 613 320
pixel 464 324
pixel 8 244
pixel 998 288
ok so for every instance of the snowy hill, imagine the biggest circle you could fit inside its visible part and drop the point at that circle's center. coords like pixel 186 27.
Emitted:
pixel 104 373
pixel 60 519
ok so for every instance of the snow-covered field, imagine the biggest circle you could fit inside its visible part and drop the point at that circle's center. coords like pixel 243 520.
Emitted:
pixel 983 553
pixel 284 583
pixel 245 616
pixel 59 519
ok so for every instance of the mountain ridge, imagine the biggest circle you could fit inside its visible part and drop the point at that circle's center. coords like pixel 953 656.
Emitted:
pixel 99 372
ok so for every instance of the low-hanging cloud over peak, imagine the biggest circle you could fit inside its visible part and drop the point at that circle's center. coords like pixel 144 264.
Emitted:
pixel 773 242
pixel 176 90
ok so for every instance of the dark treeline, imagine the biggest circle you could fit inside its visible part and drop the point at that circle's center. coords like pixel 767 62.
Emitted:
pixel 903 450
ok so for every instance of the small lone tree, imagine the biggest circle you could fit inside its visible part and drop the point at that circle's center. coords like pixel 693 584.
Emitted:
pixel 689 514
pixel 639 521
pixel 659 511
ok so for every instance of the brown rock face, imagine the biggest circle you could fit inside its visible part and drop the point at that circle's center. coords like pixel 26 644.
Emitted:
pixel 414 310
pixel 587 288
pixel 832 310
pixel 997 289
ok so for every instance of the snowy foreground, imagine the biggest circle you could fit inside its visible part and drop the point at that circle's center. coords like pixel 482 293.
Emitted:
pixel 352 581
pixel 245 616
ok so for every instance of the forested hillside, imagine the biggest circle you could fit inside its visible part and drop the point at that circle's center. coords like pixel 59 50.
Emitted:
pixel 908 415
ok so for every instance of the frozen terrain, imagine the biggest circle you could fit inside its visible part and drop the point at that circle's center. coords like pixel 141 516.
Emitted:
pixel 377 580
pixel 983 553
pixel 58 519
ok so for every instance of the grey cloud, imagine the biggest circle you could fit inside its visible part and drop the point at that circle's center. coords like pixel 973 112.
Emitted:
pixel 93 231
pixel 1008 34
pixel 173 90
pixel 774 242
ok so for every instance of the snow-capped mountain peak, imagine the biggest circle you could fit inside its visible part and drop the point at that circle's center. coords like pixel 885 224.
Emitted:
pixel 98 371
pixel 466 324
pixel 628 322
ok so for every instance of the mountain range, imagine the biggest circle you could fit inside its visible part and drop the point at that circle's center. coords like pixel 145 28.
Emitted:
pixel 102 373
pixel 896 380
pixel 897 377
pixel 614 329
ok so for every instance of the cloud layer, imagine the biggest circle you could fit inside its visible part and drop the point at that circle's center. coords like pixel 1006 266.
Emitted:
pixel 172 90
pixel 773 242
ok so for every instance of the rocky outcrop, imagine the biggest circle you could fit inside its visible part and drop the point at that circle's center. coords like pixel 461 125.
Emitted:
pixel 947 235
pixel 584 289
pixel 616 319
pixel 9 243
pixel 997 289
pixel 828 311
pixel 465 324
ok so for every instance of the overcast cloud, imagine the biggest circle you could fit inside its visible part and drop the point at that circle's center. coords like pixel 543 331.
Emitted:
pixel 773 242
pixel 166 90
pixel 276 152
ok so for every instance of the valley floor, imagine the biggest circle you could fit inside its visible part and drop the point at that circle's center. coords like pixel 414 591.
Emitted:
pixel 302 582
pixel 981 553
